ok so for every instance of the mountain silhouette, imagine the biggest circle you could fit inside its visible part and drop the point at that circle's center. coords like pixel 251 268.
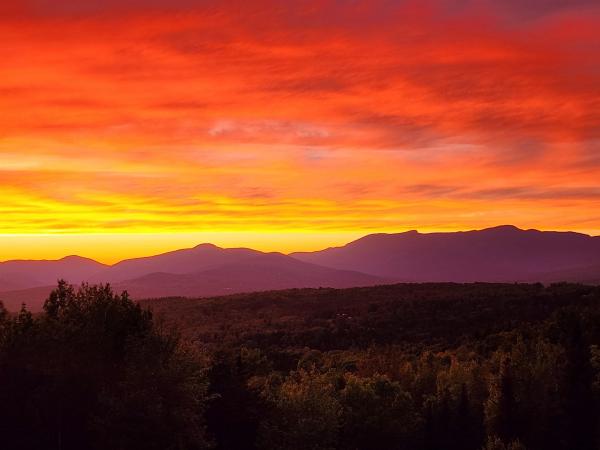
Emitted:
pixel 19 274
pixel 185 261
pixel 202 271
pixel 500 254
pixel 270 271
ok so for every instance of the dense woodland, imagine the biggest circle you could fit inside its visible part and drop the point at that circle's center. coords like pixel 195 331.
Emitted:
pixel 409 366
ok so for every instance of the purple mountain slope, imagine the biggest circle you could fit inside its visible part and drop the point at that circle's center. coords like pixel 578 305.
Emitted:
pixel 33 298
pixel 21 274
pixel 500 254
pixel 185 261
pixel 585 275
pixel 260 272
pixel 270 271
pixel 504 253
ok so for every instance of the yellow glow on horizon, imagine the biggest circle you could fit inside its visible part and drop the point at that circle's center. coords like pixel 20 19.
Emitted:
pixel 112 248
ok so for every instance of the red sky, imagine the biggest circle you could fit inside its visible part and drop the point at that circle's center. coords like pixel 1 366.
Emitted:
pixel 129 127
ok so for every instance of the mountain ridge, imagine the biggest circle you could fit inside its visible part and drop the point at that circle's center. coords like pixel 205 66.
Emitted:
pixel 499 254
pixel 504 253
pixel 203 271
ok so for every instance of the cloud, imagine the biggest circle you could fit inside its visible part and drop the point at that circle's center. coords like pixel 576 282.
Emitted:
pixel 424 110
pixel 538 193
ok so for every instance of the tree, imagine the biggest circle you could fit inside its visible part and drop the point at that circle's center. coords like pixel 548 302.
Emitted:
pixel 466 436
pixel 495 443
pixel 305 414
pixel 578 396
pixel 236 405
pixel 377 414
pixel 501 407
pixel 95 371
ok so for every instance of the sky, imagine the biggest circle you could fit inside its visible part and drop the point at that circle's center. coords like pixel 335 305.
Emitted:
pixel 133 127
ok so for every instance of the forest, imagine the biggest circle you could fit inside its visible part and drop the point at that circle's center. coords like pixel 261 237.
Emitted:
pixel 433 366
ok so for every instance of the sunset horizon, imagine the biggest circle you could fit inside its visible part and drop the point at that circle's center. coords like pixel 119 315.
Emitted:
pixel 300 224
pixel 244 123
pixel 103 247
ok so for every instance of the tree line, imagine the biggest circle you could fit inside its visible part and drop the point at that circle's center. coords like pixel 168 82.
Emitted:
pixel 97 370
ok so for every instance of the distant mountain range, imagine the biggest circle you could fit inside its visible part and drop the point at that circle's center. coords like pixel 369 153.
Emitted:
pixel 500 254
pixel 205 270
pixel 21 274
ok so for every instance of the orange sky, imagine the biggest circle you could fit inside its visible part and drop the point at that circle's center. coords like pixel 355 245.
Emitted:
pixel 133 127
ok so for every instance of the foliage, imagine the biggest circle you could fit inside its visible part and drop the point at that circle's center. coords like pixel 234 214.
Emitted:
pixel 95 371
pixel 419 367
pixel 495 443
pixel 305 413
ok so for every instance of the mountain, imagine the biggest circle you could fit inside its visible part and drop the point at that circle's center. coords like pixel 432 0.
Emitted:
pixel 34 298
pixel 20 274
pixel 203 271
pixel 499 254
pixel 584 275
pixel 263 272
pixel 11 281
pixel 185 261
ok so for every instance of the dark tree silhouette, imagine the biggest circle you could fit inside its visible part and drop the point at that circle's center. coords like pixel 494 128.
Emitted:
pixel 501 407
pixel 95 371
pixel 578 396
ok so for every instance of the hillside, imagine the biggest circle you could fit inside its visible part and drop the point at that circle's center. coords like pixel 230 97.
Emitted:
pixel 426 314
pixel 184 261
pixel 261 272
pixel 500 254
pixel 405 366
pixel 254 271
pixel 20 274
